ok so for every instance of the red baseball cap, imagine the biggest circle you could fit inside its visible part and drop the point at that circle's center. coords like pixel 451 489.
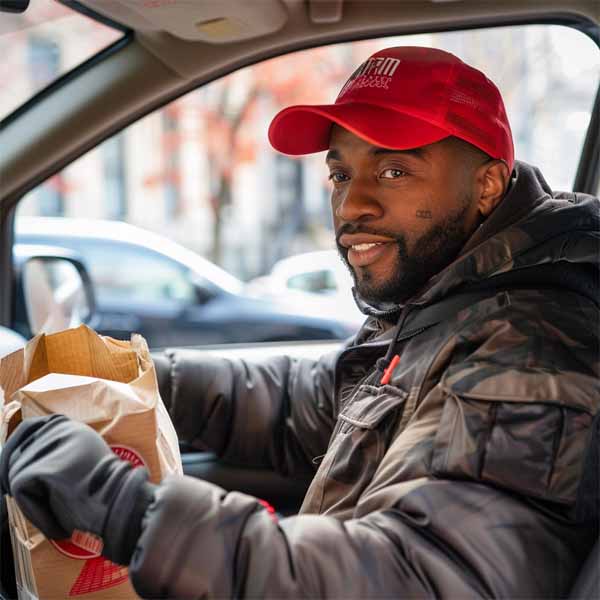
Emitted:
pixel 402 98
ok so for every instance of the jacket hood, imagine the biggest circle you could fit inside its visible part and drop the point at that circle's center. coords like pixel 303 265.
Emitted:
pixel 532 226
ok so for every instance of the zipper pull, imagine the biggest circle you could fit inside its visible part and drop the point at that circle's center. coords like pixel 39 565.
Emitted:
pixel 317 459
pixel 387 374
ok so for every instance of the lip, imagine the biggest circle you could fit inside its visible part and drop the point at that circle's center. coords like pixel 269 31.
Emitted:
pixel 353 239
pixel 364 258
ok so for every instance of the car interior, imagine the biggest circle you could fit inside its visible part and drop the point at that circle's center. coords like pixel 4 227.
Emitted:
pixel 167 48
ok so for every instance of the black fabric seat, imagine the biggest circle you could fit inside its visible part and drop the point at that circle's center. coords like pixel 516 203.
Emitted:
pixel 587 584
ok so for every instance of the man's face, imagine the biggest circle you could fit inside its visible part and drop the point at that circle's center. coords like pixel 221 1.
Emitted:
pixel 400 216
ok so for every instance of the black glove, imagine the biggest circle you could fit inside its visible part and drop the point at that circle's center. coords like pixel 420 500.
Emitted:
pixel 64 476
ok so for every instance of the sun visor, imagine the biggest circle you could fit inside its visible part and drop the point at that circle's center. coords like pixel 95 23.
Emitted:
pixel 212 21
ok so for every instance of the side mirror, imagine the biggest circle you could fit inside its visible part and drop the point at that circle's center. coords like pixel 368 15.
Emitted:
pixel 203 295
pixel 53 292
pixel 14 6
pixel 203 291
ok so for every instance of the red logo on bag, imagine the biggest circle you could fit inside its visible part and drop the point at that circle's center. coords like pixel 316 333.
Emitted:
pixel 98 573
pixel 129 454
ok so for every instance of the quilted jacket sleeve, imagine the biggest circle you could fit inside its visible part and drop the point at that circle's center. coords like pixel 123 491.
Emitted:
pixel 277 413
pixel 445 539
pixel 429 537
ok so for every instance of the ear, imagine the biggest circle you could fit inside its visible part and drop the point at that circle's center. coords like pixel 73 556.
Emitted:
pixel 493 179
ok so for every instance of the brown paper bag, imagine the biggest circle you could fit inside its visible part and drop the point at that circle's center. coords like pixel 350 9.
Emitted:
pixel 110 385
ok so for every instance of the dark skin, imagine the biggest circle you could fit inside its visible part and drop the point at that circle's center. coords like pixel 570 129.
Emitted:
pixel 402 216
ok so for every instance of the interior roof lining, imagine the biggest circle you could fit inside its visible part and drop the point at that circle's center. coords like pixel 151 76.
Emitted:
pixel 174 52
pixel 567 19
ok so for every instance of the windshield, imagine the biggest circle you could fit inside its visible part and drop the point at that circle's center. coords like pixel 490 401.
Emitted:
pixel 43 43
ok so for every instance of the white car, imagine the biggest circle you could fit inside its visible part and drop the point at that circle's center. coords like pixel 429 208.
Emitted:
pixel 318 279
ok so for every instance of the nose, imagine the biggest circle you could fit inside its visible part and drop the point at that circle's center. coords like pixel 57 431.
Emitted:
pixel 356 203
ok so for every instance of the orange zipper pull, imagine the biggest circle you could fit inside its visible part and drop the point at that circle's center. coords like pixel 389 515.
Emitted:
pixel 387 374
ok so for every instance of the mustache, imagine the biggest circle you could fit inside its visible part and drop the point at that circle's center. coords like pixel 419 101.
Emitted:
pixel 351 228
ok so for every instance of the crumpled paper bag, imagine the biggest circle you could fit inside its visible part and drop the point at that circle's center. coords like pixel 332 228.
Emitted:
pixel 111 386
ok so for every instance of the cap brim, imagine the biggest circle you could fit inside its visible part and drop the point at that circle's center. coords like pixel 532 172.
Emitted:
pixel 305 129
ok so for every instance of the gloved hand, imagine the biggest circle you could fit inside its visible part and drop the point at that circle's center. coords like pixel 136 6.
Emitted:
pixel 64 476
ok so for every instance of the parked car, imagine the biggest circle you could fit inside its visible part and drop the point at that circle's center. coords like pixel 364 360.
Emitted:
pixel 148 284
pixel 318 279
pixel 10 341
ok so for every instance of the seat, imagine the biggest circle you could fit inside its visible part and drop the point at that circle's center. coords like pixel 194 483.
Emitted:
pixel 587 584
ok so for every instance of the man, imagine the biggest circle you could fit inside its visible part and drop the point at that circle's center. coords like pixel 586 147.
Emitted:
pixel 448 443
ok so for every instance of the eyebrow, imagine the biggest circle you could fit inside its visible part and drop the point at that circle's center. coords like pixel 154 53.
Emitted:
pixel 417 152
pixel 375 151
pixel 332 155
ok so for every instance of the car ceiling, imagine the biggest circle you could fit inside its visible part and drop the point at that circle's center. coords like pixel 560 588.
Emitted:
pixel 189 35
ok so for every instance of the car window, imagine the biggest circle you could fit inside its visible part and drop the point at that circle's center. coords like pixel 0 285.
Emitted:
pixel 210 182
pixel 318 282
pixel 42 44
pixel 124 273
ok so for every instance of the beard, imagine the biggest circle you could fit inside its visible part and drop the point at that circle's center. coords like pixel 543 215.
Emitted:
pixel 432 252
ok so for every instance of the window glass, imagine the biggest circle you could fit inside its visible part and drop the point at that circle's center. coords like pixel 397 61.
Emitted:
pixel 319 282
pixel 38 46
pixel 209 180
pixel 123 273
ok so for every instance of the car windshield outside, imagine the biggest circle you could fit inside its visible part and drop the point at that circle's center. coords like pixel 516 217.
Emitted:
pixel 200 172
pixel 43 43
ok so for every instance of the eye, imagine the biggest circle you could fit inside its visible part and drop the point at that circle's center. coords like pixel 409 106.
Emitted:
pixel 337 177
pixel 392 173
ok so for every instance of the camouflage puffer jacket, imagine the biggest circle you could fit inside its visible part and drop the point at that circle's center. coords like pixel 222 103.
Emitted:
pixel 460 477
